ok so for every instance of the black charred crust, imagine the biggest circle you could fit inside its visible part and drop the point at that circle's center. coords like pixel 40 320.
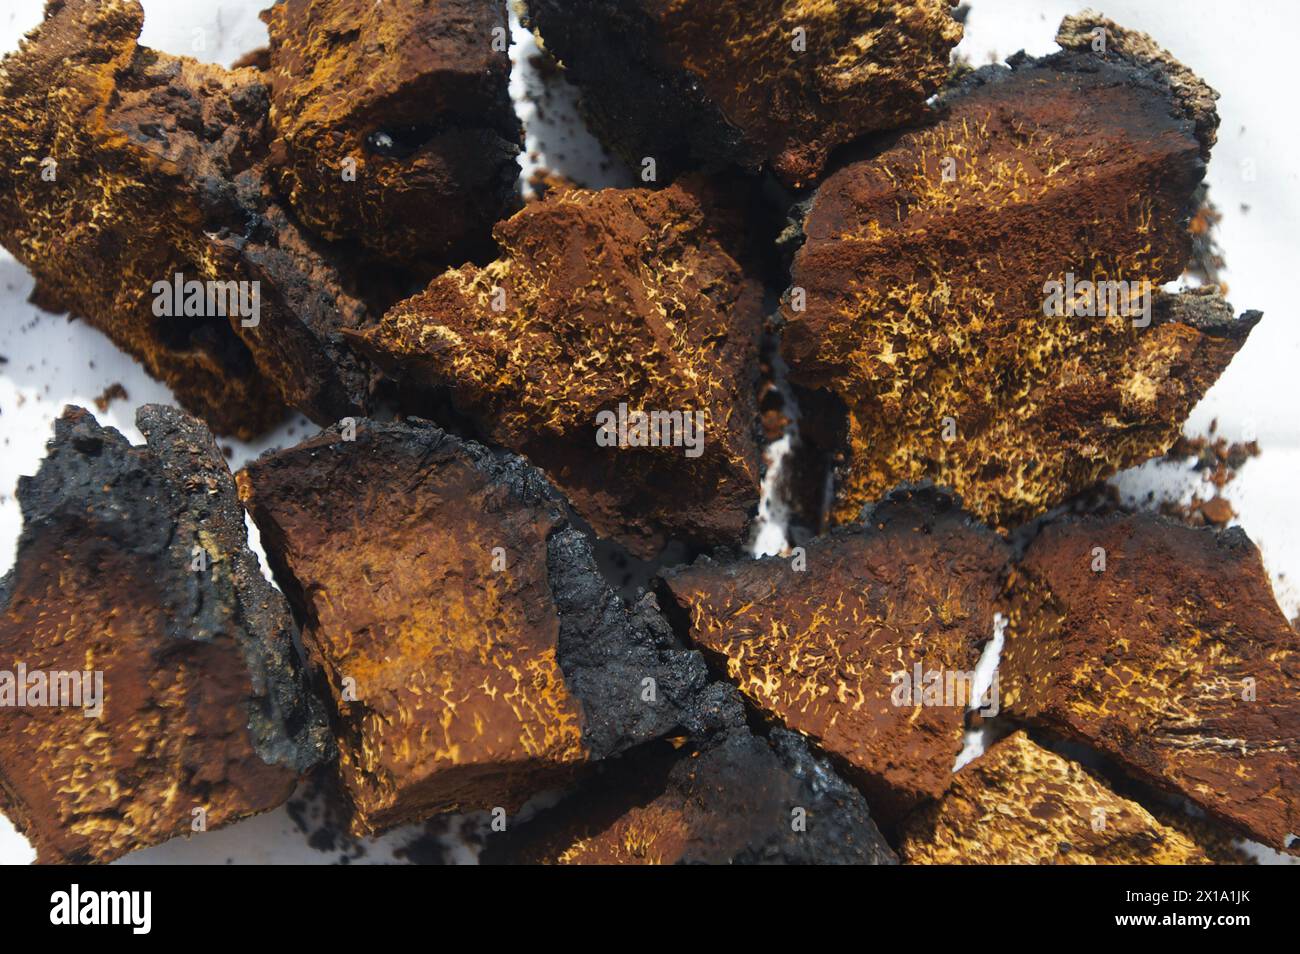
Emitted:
pixel 1205 310
pixel 744 799
pixel 159 501
pixel 608 651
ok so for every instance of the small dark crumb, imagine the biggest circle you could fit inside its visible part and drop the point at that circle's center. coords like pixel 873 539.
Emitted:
pixel 545 65
pixel 1207 257
pixel 114 392
pixel 1218 461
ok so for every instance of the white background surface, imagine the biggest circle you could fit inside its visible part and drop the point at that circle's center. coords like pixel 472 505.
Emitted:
pixel 1244 48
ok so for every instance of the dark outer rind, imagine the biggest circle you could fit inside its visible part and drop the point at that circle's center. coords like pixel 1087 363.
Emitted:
pixel 1151 660
pixel 204 705
pixel 818 649
pixel 344 71
pixel 158 171
pixel 287 722
pixel 1195 97
pixel 603 652
pixel 725 796
pixel 606 650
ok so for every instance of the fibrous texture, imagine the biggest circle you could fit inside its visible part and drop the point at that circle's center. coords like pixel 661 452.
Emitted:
pixel 779 82
pixel 1162 647
pixel 831 647
pixel 473 653
pixel 122 167
pixel 1020 804
pixel 393 122
pixel 617 302
pixel 133 575
pixel 984 293
pixel 725 796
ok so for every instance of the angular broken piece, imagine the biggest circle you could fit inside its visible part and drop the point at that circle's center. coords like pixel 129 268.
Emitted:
pixel 984 293
pixel 155 688
pixel 474 654
pixel 866 642
pixel 1161 646
pixel 131 186
pixel 393 121
pixel 615 344
pixel 1020 804
pixel 755 82
pixel 727 797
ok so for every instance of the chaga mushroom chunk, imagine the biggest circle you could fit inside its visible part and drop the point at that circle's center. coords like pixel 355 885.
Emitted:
pixel 473 652
pixel 866 641
pixel 721 796
pixel 754 82
pixel 393 121
pixel 131 186
pixel 154 688
pixel 983 294
pixel 615 344
pixel 1020 804
pixel 1161 646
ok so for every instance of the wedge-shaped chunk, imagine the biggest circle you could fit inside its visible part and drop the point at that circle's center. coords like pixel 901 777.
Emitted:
pixel 122 168
pixel 866 642
pixel 393 121
pixel 602 307
pixel 151 685
pixel 1162 647
pixel 755 82
pixel 984 293
pixel 1020 804
pixel 473 652
pixel 724 796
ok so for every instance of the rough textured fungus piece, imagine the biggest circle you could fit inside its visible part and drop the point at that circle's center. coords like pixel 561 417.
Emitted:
pixel 473 652
pixel 410 101
pixel 779 82
pixel 622 300
pixel 833 650
pixel 1162 647
pixel 133 573
pixel 122 167
pixel 924 295
pixel 723 796
pixel 1020 804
